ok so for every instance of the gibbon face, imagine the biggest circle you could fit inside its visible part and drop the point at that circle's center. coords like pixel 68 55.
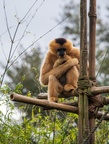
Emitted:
pixel 60 47
pixel 61 52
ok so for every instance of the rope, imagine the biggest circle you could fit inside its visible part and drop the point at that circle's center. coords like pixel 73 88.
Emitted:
pixel 85 83
pixel 94 129
pixel 96 102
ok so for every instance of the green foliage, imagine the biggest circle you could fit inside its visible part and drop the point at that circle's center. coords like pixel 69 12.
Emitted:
pixel 24 78
pixel 102 134
pixel 5 89
pixel 51 127
pixel 48 128
pixel 102 50
pixel 18 88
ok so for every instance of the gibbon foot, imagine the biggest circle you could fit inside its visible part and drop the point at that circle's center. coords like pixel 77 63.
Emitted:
pixel 53 99
pixel 68 87
pixel 60 88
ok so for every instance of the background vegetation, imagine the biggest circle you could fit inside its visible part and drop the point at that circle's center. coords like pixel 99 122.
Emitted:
pixel 33 125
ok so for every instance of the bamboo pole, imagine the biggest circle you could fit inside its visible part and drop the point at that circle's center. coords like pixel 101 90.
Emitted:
pixel 83 123
pixel 92 39
pixel 92 45
pixel 62 95
pixel 91 92
pixel 99 90
pixel 43 103
pixel 99 115
pixel 103 100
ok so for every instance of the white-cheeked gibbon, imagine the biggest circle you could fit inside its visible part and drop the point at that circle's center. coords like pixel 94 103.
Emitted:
pixel 60 70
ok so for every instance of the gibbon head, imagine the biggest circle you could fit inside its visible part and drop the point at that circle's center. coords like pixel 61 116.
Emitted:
pixel 60 47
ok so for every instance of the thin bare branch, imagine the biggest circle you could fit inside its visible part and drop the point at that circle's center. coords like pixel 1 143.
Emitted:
pixel 35 42
pixel 6 19
pixel 26 29
pixel 28 11
pixel 3 49
pixel 14 36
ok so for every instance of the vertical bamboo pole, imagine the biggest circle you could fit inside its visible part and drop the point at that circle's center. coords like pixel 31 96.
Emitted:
pixel 92 39
pixel 80 120
pixel 83 123
pixel 92 45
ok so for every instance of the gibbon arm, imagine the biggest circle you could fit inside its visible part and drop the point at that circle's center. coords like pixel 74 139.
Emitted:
pixel 75 53
pixel 60 61
pixel 47 70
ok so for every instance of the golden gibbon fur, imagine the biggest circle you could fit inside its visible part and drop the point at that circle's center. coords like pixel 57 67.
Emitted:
pixel 60 70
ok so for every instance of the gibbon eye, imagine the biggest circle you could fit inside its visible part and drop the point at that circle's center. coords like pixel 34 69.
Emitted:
pixel 61 49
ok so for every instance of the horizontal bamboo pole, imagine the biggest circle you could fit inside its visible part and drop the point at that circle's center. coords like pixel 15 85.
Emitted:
pixel 93 91
pixel 43 103
pixel 50 105
pixel 73 103
pixel 99 90
pixel 63 95
pixel 94 99
pixel 99 115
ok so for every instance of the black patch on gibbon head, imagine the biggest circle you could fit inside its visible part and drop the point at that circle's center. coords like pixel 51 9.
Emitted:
pixel 61 41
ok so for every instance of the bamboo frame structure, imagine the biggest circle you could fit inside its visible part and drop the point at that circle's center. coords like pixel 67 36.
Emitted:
pixel 105 100
pixel 83 125
pixel 90 92
pixel 92 46
pixel 65 106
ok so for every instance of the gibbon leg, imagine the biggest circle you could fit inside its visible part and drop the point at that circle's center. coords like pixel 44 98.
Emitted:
pixel 54 88
pixel 71 79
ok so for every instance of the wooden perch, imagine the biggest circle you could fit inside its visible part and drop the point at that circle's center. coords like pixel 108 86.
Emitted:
pixel 63 95
pixel 43 103
pixel 66 106
pixel 99 115
pixel 93 91
pixel 99 90
pixel 97 99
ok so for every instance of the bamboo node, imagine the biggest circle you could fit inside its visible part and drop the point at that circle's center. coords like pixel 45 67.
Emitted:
pixel 85 83
pixel 91 14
